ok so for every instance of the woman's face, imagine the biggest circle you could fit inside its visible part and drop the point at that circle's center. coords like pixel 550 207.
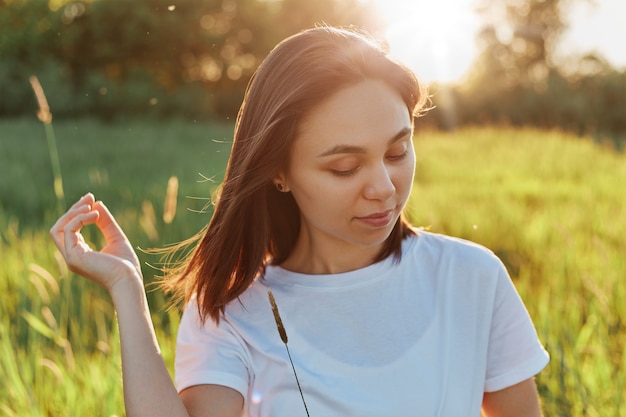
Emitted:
pixel 351 169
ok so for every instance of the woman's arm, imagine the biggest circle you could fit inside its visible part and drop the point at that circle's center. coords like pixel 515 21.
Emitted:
pixel 520 400
pixel 148 388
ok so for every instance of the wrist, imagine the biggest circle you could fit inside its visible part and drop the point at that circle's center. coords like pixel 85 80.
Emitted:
pixel 128 285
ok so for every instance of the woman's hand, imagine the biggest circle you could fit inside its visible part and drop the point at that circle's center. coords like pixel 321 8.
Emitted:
pixel 148 387
pixel 106 267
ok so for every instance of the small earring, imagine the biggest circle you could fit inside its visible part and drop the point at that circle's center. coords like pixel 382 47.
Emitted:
pixel 280 187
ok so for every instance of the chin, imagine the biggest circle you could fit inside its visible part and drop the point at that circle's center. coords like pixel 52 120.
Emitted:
pixel 375 238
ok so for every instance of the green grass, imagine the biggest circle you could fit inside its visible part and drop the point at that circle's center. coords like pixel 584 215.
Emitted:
pixel 553 208
pixel 123 164
pixel 550 205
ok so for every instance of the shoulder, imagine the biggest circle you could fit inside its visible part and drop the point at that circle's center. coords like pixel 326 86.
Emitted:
pixel 244 319
pixel 443 248
pixel 453 267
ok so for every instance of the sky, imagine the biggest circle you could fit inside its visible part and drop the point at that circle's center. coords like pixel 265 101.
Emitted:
pixel 601 28
pixel 436 37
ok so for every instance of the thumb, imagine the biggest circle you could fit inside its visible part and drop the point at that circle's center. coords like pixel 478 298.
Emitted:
pixel 106 223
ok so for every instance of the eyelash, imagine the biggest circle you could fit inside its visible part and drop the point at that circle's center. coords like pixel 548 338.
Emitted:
pixel 347 173
pixel 399 157
pixel 344 173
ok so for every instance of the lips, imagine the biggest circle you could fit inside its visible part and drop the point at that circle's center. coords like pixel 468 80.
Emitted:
pixel 378 219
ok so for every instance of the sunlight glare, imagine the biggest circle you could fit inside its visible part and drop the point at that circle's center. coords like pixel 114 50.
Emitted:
pixel 256 397
pixel 434 38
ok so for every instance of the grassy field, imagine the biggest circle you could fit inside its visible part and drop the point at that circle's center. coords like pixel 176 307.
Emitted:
pixel 550 205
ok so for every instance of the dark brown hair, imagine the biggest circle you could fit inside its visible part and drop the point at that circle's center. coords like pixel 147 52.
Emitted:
pixel 253 223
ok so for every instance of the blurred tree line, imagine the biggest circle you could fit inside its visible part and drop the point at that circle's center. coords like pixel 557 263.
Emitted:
pixel 112 58
pixel 193 59
pixel 518 79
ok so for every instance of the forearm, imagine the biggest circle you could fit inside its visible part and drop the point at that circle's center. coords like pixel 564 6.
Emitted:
pixel 148 387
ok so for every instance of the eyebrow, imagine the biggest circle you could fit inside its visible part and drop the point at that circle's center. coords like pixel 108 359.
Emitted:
pixel 338 149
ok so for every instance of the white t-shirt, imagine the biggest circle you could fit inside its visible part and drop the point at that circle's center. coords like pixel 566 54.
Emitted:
pixel 426 336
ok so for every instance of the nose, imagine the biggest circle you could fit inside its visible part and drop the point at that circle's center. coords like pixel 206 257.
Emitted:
pixel 379 184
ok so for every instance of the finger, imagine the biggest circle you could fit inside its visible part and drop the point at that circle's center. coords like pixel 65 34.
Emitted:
pixel 86 199
pixel 107 224
pixel 116 240
pixel 70 213
pixel 56 232
pixel 73 242
pixel 73 227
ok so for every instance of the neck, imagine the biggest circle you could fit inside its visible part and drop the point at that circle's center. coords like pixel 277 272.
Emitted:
pixel 314 258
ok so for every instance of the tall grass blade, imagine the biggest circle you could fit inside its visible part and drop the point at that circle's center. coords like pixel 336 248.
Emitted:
pixel 45 116
pixel 39 326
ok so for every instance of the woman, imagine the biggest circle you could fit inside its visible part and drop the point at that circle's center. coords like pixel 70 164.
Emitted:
pixel 381 319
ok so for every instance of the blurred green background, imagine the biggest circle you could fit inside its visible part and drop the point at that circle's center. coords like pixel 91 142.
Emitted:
pixel 523 154
pixel 115 59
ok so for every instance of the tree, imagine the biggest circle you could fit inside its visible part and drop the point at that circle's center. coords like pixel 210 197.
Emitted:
pixel 190 57
pixel 518 40
pixel 516 79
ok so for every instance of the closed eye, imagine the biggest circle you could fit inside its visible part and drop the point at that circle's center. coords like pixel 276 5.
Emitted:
pixel 398 157
pixel 344 173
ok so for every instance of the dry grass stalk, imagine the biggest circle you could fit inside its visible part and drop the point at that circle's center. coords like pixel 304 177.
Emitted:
pixel 53 367
pixel 147 221
pixel 44 110
pixel 279 322
pixel 283 336
pixel 46 276
pixel 46 118
pixel 171 195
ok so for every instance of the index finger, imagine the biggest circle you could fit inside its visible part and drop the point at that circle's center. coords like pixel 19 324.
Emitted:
pixel 86 199
pixel 84 203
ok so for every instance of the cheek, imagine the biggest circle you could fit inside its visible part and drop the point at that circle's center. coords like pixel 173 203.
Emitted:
pixel 322 196
pixel 405 175
pixel 322 190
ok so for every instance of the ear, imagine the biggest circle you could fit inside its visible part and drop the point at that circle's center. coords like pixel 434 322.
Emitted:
pixel 279 177
pixel 280 181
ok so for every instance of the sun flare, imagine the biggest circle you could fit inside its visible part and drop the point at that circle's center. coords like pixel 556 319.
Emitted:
pixel 435 38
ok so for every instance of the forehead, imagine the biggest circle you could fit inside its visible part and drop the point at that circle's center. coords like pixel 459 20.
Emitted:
pixel 361 115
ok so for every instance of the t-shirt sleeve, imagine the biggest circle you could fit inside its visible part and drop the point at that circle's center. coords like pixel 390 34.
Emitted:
pixel 515 352
pixel 207 353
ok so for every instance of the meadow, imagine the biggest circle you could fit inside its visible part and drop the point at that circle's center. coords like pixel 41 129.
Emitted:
pixel 551 205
